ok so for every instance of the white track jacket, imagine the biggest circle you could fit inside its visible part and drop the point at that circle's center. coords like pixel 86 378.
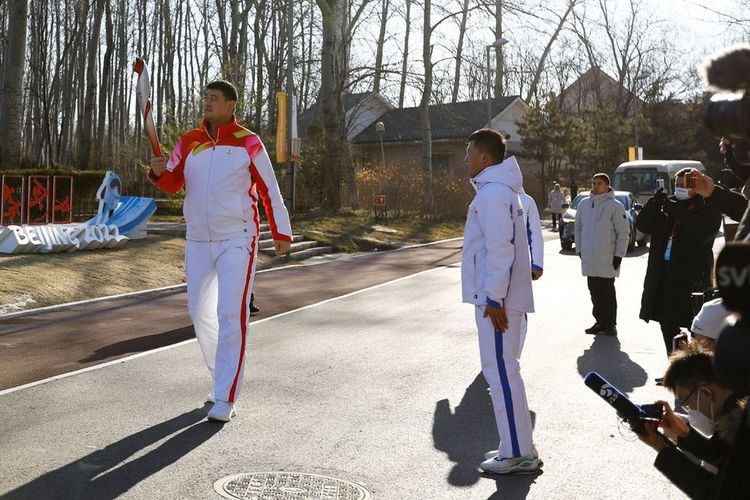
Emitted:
pixel 495 266
pixel 223 178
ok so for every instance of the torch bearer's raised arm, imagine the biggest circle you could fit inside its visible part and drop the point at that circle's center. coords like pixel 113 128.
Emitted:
pixel 143 93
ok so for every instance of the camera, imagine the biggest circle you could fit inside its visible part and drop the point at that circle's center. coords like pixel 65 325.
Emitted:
pixel 728 115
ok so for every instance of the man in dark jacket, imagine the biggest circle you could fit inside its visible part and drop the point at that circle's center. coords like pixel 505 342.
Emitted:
pixel 682 229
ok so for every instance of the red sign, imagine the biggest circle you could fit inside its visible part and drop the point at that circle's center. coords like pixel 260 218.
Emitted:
pixel 379 200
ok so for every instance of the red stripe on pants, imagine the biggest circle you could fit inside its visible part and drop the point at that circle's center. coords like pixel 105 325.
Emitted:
pixel 243 320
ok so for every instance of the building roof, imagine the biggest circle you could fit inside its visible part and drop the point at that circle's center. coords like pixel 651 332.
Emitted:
pixel 447 121
pixel 311 114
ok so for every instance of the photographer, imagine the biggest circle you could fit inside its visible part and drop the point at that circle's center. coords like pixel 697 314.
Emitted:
pixel 682 229
pixel 713 413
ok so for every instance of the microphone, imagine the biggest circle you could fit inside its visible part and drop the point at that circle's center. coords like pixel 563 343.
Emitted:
pixel 626 409
pixel 729 68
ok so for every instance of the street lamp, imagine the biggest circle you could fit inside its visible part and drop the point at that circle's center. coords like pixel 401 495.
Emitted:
pixel 498 44
pixel 380 129
pixel 637 79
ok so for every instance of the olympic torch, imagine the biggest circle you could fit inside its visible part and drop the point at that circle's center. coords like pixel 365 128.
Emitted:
pixel 143 93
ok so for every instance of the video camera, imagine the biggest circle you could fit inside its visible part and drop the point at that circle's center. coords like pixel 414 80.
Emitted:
pixel 728 113
pixel 635 415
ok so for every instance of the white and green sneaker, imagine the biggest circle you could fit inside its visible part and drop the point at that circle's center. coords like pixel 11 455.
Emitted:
pixel 512 465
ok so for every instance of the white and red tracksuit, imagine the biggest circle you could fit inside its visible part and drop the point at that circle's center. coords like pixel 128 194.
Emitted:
pixel 496 270
pixel 223 176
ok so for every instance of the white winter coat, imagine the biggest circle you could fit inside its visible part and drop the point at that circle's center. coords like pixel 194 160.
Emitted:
pixel 556 200
pixel 495 264
pixel 601 233
pixel 533 231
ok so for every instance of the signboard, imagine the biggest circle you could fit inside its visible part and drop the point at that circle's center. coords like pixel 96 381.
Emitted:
pixel 37 209
pixel 119 218
pixel 62 199
pixel 280 127
pixel 379 200
pixel 13 198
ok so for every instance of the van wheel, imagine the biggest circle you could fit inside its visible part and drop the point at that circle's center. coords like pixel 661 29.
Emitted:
pixel 642 243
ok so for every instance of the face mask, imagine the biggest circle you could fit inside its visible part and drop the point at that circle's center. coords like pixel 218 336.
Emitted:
pixel 701 423
pixel 682 193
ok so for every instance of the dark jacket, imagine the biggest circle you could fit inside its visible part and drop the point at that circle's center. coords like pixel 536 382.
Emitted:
pixel 698 481
pixel 693 225
pixel 735 206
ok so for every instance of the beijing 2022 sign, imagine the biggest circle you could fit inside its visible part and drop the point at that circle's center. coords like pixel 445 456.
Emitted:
pixel 118 219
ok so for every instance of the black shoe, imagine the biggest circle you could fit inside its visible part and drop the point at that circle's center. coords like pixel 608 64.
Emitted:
pixel 596 328
pixel 253 310
pixel 610 330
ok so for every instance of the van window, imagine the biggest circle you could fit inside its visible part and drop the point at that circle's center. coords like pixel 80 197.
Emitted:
pixel 639 181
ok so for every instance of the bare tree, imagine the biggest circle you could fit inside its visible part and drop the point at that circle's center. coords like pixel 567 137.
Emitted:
pixel 11 91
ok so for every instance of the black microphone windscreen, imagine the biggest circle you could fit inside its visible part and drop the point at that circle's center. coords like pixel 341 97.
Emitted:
pixel 728 69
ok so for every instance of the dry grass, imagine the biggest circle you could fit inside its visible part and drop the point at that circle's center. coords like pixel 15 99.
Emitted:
pixel 37 280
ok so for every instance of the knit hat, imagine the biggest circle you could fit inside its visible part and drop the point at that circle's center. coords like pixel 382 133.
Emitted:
pixel 711 319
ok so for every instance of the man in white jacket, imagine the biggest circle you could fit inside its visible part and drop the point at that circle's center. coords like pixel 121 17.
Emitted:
pixel 601 239
pixel 496 277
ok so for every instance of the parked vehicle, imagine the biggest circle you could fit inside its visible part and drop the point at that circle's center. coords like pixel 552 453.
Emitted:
pixel 632 208
pixel 643 177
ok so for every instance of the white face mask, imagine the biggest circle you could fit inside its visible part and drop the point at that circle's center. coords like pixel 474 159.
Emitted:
pixel 702 424
pixel 682 193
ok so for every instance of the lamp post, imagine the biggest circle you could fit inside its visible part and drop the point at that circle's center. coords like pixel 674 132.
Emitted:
pixel 497 44
pixel 380 129
pixel 637 79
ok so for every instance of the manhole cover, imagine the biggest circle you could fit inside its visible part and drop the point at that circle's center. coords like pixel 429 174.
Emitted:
pixel 289 486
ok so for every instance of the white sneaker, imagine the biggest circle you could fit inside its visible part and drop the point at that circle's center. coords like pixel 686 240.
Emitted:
pixel 222 412
pixel 512 465
pixel 211 397
pixel 493 453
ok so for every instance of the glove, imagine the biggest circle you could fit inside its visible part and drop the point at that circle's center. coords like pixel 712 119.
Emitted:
pixel 616 261
pixel 660 196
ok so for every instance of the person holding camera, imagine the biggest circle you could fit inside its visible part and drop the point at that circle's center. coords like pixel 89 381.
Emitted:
pixel 710 407
pixel 682 229
pixel 601 239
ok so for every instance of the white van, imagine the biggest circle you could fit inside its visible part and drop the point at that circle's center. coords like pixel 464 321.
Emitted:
pixel 641 177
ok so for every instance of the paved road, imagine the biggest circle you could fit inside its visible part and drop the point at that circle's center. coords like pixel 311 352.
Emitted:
pixel 380 387
pixel 48 343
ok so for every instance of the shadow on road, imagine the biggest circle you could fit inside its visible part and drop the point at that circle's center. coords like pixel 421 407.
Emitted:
pixel 605 357
pixel 103 475
pixel 467 433
pixel 140 344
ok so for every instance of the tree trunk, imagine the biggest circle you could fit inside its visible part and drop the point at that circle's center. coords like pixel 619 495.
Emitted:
pixel 331 104
pixel 459 51
pixel 87 124
pixel 498 50
pixel 424 105
pixel 381 42
pixel 11 92
pixel 404 61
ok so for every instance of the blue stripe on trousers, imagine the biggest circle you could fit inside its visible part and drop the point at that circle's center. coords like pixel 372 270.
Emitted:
pixel 506 393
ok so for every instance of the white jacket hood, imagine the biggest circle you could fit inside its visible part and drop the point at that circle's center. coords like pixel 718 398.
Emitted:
pixel 508 172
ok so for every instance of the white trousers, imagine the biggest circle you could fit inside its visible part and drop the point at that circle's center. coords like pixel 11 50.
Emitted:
pixel 219 281
pixel 500 354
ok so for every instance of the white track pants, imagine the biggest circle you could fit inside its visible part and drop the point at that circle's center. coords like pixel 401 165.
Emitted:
pixel 219 281
pixel 500 354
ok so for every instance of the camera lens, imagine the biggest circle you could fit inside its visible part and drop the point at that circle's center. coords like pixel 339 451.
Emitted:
pixel 728 115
